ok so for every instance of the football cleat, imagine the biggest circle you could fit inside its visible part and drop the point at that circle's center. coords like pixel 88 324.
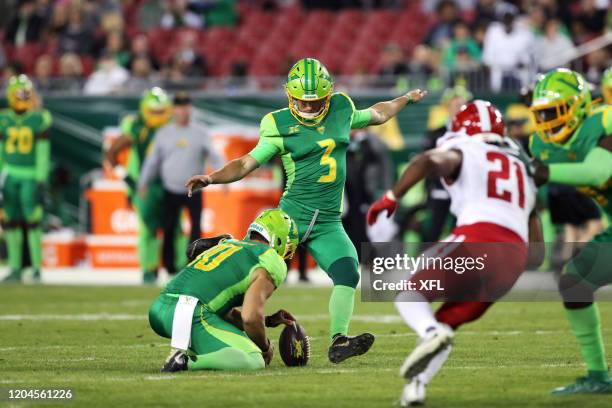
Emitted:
pixel 413 394
pixel 176 361
pixel 437 339
pixel 344 347
pixel 149 277
pixel 13 277
pixel 584 385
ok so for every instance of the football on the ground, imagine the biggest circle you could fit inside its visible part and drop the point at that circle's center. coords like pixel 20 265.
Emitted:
pixel 294 346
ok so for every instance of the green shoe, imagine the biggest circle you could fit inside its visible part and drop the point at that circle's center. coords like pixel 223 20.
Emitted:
pixel 36 276
pixel 149 278
pixel 13 277
pixel 585 385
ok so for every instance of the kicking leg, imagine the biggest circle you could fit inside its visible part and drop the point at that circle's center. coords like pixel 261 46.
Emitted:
pixel 336 254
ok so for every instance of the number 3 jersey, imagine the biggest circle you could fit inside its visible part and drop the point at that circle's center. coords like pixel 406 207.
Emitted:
pixel 313 157
pixel 19 134
pixel 493 186
pixel 220 276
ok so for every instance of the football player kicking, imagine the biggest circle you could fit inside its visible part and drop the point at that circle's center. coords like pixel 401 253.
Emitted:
pixel 198 309
pixel 492 196
pixel 311 137
pixel 576 141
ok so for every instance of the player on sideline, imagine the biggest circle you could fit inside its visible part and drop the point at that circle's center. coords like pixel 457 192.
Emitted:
pixel 137 134
pixel 493 198
pixel 198 308
pixel 25 154
pixel 311 137
pixel 577 143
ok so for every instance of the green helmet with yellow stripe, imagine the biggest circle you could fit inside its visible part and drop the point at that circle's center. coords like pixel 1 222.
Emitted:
pixel 308 80
pixel 279 229
pixel 155 107
pixel 20 93
pixel 561 101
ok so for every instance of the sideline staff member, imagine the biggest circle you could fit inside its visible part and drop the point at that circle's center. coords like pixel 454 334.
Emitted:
pixel 180 150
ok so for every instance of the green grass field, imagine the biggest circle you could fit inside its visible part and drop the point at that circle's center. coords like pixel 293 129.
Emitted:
pixel 97 341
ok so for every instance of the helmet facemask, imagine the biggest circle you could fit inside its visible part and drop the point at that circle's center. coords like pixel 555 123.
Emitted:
pixel 555 121
pixel 312 117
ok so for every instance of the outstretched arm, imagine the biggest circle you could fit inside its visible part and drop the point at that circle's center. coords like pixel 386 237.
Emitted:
pixel 594 170
pixel 438 162
pixel 232 171
pixel 383 111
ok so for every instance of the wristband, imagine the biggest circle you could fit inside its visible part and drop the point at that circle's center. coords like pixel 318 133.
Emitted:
pixel 410 100
pixel 389 194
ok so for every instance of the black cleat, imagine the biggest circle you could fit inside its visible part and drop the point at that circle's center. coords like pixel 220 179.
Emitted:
pixel 344 347
pixel 176 361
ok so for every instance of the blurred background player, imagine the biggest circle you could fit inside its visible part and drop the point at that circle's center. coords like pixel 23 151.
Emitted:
pixel 26 151
pixel 311 137
pixel 576 143
pixel 499 212
pixel 138 132
pixel 181 150
pixel 216 319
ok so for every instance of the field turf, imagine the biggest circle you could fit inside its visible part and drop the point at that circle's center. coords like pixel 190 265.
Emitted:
pixel 96 341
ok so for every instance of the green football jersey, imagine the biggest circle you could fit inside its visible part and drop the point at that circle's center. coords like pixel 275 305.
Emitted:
pixel 596 126
pixel 220 276
pixel 314 157
pixel 133 126
pixel 19 135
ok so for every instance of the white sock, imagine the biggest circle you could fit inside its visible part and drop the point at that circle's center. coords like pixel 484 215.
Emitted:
pixel 434 365
pixel 416 311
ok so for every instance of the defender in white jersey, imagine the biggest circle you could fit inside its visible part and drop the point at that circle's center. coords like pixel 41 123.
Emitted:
pixel 493 198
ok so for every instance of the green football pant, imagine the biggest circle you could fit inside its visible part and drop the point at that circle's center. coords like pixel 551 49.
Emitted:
pixel 22 202
pixel 149 211
pixel 215 343
pixel 593 268
pixel 335 253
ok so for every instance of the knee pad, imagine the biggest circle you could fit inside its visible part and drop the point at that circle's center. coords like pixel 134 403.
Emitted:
pixel 575 294
pixel 344 272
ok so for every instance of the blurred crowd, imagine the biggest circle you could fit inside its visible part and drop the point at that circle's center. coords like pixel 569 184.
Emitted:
pixel 108 46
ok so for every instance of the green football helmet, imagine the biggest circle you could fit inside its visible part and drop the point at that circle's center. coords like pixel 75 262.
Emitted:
pixel 309 80
pixel 20 93
pixel 155 107
pixel 278 229
pixel 606 86
pixel 561 101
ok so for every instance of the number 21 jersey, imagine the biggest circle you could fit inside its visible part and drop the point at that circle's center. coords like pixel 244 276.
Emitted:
pixel 493 186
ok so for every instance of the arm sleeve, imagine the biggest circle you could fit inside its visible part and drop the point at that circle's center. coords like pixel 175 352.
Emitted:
pixel 43 156
pixel 359 118
pixel 151 165
pixel 274 264
pixel 270 141
pixel 594 171
pixel 47 121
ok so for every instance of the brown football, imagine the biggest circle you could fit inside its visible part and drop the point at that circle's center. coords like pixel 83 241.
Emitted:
pixel 294 346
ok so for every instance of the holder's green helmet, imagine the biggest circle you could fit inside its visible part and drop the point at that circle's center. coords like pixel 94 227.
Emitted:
pixel 20 93
pixel 155 107
pixel 309 80
pixel 561 101
pixel 278 229
pixel 606 86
